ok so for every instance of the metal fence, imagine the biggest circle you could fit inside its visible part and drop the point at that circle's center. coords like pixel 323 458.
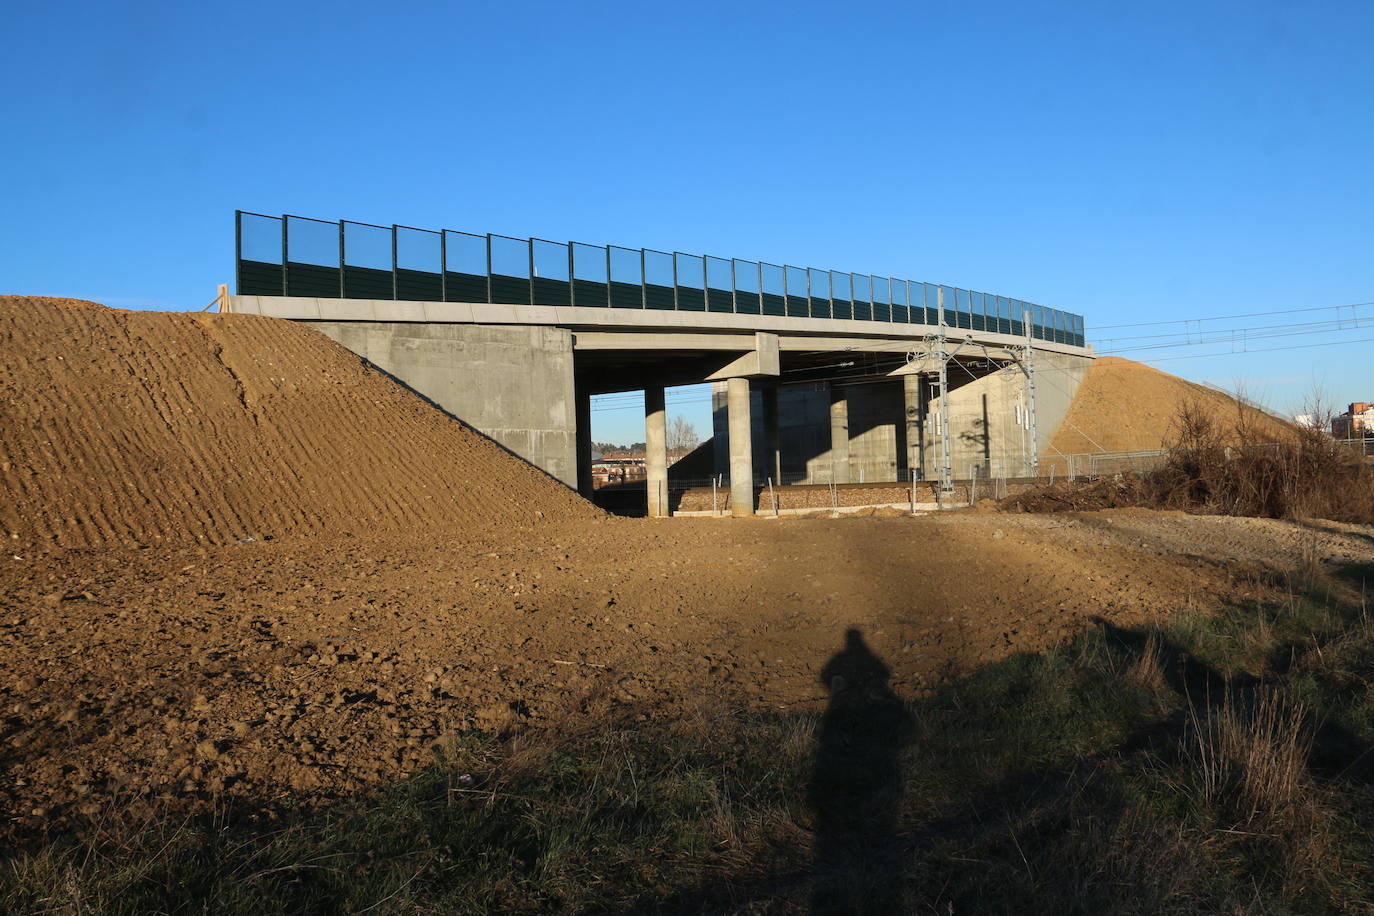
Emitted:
pixel 300 256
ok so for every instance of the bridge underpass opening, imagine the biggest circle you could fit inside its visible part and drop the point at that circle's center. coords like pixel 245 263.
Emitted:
pixel 616 458
pixel 846 421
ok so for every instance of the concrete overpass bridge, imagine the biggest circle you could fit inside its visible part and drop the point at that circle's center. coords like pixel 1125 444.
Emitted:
pixel 818 375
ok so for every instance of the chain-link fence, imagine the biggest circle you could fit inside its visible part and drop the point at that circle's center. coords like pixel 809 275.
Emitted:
pixel 301 256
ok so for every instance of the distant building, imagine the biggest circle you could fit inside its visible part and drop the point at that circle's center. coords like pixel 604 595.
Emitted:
pixel 618 468
pixel 1355 423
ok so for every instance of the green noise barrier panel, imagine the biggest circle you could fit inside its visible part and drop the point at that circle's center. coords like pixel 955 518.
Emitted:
pixel 860 297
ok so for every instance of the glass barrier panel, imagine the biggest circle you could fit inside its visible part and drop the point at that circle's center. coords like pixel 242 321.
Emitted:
pixel 1082 332
pixel 841 295
pixel 818 292
pixel 419 264
pixel 465 267
pixel 627 278
pixel 1018 317
pixel 882 298
pixel 510 270
pixel 906 301
pixel 773 289
pixel 798 295
pixel 658 280
pixel 312 258
pixel 551 273
pixel 1002 311
pixel 259 268
pixel 720 288
pixel 367 262
pixel 591 275
pixel 944 300
pixel 961 307
pixel 1037 322
pixel 861 287
pixel 977 318
pixel 922 310
pixel 690 279
pixel 746 276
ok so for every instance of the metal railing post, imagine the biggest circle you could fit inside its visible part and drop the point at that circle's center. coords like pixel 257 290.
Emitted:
pixel 285 254
pixel 342 256
pixel 238 251
pixel 489 293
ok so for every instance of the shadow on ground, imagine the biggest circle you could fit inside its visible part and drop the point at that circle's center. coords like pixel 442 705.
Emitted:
pixel 1061 782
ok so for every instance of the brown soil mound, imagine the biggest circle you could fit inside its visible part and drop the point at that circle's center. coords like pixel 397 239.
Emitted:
pixel 135 428
pixel 1127 406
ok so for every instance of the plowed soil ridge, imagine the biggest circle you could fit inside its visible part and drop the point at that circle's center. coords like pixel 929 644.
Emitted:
pixel 1124 405
pixel 135 428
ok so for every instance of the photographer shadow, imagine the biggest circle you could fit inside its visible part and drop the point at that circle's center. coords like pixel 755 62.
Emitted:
pixel 856 786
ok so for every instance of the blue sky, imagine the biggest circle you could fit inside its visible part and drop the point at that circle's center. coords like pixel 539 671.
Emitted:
pixel 1130 162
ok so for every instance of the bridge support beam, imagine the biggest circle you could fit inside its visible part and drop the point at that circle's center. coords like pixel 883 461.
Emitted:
pixel 771 449
pixel 839 435
pixel 584 444
pixel 656 452
pixel 741 448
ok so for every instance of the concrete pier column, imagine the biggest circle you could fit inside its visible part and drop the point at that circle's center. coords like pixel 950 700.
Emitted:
pixel 772 447
pixel 584 444
pixel 839 435
pixel 911 399
pixel 656 452
pixel 741 448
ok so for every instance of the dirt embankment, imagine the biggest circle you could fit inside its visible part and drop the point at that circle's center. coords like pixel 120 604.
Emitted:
pixel 1127 406
pixel 139 428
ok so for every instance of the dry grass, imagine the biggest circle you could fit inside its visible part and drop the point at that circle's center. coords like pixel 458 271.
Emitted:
pixel 1249 754
pixel 1305 474
pixel 1245 469
pixel 1146 671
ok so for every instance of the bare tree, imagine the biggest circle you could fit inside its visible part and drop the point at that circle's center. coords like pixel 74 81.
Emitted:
pixel 682 436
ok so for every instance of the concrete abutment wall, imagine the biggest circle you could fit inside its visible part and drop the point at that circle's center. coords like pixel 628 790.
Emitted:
pixel 513 384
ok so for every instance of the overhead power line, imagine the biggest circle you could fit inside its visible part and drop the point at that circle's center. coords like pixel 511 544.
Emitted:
pixel 1148 324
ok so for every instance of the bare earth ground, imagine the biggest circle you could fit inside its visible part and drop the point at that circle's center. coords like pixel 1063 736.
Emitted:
pixel 241 563
pixel 320 667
